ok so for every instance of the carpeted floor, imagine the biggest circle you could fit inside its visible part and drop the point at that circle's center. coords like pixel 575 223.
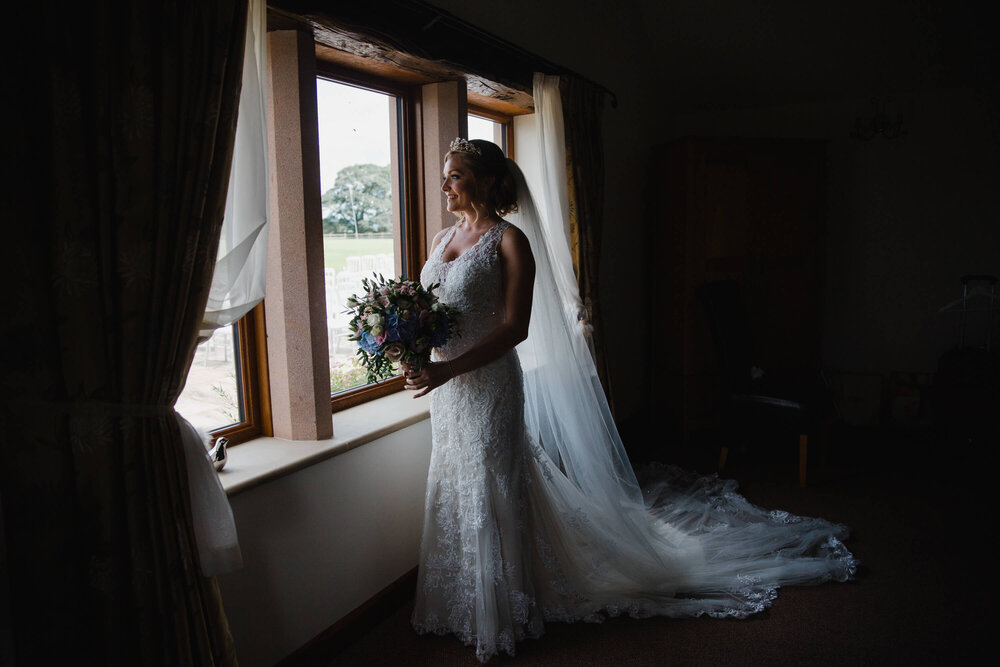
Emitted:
pixel 920 521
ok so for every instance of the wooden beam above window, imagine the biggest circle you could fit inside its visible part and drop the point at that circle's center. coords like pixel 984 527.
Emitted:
pixel 348 49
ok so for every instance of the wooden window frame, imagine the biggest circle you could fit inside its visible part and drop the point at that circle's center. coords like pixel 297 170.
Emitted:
pixel 414 250
pixel 253 382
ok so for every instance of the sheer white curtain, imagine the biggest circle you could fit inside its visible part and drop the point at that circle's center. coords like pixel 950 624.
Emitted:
pixel 237 286
pixel 565 407
pixel 550 136
pixel 238 282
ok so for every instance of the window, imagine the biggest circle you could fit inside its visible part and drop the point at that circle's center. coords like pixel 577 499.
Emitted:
pixel 372 202
pixel 361 210
pixel 225 391
pixel 491 126
pixel 211 398
pixel 369 221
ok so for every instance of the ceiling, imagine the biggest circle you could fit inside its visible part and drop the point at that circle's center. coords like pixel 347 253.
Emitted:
pixel 712 53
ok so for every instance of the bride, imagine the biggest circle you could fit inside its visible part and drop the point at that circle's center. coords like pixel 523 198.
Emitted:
pixel 533 512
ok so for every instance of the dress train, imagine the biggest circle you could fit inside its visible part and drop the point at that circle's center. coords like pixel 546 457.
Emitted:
pixel 513 538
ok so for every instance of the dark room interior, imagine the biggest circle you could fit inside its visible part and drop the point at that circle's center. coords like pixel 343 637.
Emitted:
pixel 837 165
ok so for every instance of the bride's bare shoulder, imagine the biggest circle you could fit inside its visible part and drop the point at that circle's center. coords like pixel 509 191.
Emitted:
pixel 512 235
pixel 514 243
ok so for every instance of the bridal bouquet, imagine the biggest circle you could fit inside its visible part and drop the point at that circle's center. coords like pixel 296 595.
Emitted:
pixel 398 320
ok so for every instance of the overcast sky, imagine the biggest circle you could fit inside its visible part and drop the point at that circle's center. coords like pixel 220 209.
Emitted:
pixel 354 128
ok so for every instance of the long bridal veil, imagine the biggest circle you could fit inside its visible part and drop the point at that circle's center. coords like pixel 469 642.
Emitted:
pixel 565 405
pixel 680 545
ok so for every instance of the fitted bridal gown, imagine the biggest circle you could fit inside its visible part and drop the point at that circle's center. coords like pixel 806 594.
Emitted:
pixel 512 537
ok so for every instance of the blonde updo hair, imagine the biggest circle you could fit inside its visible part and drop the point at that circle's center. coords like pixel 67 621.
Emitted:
pixel 488 161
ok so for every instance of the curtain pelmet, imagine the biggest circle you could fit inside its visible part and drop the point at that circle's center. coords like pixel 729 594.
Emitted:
pixel 106 278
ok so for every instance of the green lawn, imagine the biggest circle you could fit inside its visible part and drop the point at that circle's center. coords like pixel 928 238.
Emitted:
pixel 336 250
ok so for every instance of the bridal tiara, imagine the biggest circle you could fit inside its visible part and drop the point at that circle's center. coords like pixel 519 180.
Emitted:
pixel 460 145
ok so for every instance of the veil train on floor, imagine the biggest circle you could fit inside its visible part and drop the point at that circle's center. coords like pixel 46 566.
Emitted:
pixel 681 544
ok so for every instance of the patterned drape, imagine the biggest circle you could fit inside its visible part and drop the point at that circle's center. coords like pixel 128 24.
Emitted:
pixel 105 276
pixel 583 108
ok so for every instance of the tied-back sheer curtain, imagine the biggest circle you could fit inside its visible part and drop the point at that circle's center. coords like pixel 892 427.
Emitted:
pixel 566 410
pixel 106 277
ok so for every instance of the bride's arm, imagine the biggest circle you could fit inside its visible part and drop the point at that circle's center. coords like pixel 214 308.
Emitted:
pixel 518 278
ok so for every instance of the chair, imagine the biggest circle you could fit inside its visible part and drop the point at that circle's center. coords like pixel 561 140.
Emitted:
pixel 755 401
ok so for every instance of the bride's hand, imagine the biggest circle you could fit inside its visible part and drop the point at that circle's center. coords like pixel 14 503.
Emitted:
pixel 433 375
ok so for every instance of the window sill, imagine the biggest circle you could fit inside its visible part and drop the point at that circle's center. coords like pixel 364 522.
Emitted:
pixel 262 459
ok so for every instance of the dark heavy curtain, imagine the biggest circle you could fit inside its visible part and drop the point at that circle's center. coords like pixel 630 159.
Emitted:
pixel 583 108
pixel 123 159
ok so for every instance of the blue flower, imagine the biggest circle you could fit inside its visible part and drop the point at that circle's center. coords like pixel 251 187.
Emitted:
pixel 399 330
pixel 439 331
pixel 368 343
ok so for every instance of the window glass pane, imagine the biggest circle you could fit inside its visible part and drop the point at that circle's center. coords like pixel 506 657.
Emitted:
pixel 490 130
pixel 212 397
pixel 362 208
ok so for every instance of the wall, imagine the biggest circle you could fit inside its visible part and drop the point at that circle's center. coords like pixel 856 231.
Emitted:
pixel 321 541
pixel 907 217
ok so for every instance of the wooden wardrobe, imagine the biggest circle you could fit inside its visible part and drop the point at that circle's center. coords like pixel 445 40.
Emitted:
pixel 751 210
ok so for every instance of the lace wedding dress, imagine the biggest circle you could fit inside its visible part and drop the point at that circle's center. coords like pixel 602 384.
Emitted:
pixel 516 534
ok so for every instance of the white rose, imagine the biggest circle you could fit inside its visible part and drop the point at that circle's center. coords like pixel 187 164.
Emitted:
pixel 394 351
pixel 374 320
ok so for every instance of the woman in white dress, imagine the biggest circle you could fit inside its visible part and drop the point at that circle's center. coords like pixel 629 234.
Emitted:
pixel 532 512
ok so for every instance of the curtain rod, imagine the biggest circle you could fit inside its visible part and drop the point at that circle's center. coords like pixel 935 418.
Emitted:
pixel 441 14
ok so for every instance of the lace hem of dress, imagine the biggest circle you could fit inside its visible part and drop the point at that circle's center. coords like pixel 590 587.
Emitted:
pixel 754 598
pixel 744 595
pixel 486 649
